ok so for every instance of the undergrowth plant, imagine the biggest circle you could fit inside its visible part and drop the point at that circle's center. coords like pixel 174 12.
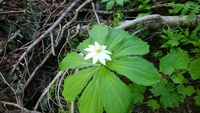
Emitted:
pixel 118 17
pixel 110 3
pixel 144 5
pixel 107 54
pixel 175 66
pixel 190 8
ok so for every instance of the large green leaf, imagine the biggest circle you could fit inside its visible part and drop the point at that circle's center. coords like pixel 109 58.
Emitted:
pixel 194 69
pixel 90 101
pixel 84 45
pixel 75 83
pixel 116 96
pixel 136 69
pixel 74 61
pixel 173 61
pixel 115 36
pixel 131 46
pixel 99 33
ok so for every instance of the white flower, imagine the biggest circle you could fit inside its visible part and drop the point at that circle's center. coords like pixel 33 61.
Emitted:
pixel 97 52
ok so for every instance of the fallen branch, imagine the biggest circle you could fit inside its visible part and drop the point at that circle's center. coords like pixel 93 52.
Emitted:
pixel 23 110
pixel 128 10
pixel 43 35
pixel 157 21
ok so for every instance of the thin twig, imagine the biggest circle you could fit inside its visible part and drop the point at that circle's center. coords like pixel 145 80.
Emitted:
pixel 23 110
pixel 16 105
pixel 52 44
pixel 4 80
pixel 17 33
pixel 95 13
pixel 43 35
pixel 36 69
pixel 47 89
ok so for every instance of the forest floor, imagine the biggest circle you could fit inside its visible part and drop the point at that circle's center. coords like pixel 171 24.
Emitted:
pixel 36 34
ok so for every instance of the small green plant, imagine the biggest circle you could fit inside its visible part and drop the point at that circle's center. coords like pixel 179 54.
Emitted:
pixel 118 17
pixel 197 97
pixel 144 6
pixel 189 7
pixel 108 53
pixel 169 94
pixel 111 3
pixel 175 39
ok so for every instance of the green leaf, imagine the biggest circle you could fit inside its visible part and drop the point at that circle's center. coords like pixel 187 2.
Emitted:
pixel 98 33
pixel 170 100
pixel 110 4
pixel 162 88
pixel 177 78
pixel 115 36
pixel 186 91
pixel 168 97
pixel 131 46
pixel 75 83
pixel 84 45
pixel 154 104
pixel 91 101
pixel 74 61
pixel 194 68
pixel 173 42
pixel 120 2
pixel 174 61
pixel 137 91
pixel 143 14
pixel 136 69
pixel 105 0
pixel 116 96
pixel 197 98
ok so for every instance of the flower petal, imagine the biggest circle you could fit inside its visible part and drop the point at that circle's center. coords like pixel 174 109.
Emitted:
pixel 107 57
pixel 106 52
pixel 104 47
pixel 96 44
pixel 102 60
pixel 95 58
pixel 89 55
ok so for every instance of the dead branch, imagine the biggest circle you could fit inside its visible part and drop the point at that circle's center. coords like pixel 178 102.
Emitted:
pixel 126 11
pixel 47 89
pixel 44 34
pixel 157 21
pixel 23 110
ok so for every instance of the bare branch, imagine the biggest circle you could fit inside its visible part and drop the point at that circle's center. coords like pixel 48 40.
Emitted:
pixel 43 35
pixel 157 21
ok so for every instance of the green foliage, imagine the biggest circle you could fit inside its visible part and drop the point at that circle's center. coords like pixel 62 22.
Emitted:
pixel 174 37
pixel 134 69
pixel 98 84
pixel 154 104
pixel 137 92
pixel 110 3
pixel 74 61
pixel 116 96
pixel 174 61
pixel 189 7
pixel 197 97
pixel 166 91
pixel 194 68
pixel 144 5
pixel 185 91
pixel 117 18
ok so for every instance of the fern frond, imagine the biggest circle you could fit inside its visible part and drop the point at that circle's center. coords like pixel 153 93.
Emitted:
pixel 189 7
